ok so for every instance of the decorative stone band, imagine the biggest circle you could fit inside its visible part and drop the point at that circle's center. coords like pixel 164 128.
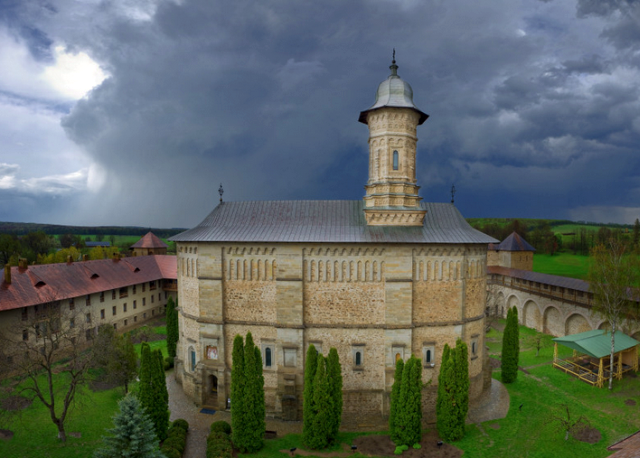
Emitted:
pixel 394 217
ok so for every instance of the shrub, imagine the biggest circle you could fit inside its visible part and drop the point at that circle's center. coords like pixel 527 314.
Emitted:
pixel 404 447
pixel 175 442
pixel 180 423
pixel 170 452
pixel 417 446
pixel 398 451
pixel 221 426
pixel 168 363
pixel 218 445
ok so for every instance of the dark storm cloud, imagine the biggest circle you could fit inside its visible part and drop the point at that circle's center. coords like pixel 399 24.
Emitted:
pixel 534 108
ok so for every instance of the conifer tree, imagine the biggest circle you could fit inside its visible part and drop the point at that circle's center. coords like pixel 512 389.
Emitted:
pixel 447 416
pixel 160 415
pixel 132 435
pixel 172 328
pixel 311 365
pixel 510 347
pixel 395 401
pixel 408 419
pixel 462 380
pixel 238 387
pixel 334 374
pixel 446 352
pixel 145 375
pixel 254 426
pixel 321 427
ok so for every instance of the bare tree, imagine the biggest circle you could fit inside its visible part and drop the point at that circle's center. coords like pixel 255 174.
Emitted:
pixel 50 343
pixel 611 275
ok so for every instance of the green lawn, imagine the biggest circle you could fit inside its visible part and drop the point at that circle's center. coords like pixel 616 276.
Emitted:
pixel 562 264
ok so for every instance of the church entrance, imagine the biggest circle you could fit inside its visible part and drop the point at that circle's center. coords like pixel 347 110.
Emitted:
pixel 212 390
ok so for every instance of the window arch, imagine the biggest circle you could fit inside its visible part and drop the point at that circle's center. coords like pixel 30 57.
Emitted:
pixel 358 358
pixel 267 357
pixel 396 160
pixel 192 359
pixel 428 358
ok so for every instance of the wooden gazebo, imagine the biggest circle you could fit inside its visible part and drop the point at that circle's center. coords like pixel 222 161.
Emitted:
pixel 592 353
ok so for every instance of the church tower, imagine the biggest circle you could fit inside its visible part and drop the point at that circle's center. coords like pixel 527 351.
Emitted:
pixel 392 193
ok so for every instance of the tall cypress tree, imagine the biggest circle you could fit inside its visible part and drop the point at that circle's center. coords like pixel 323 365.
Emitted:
pixel 172 328
pixel 408 420
pixel 446 352
pixel 321 427
pixel 462 380
pixel 146 373
pixel 311 365
pixel 395 401
pixel 161 395
pixel 254 430
pixel 238 387
pixel 447 420
pixel 510 347
pixel 260 409
pixel 132 434
pixel 334 374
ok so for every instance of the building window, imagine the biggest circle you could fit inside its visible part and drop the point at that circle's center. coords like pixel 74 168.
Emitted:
pixel 126 322
pixel 395 160
pixel 144 301
pixel 113 295
pixel 25 334
pixel 124 292
pixel 192 359
pixel 474 346
pixel 72 304
pixel 159 297
pixel 290 357
pixel 113 310
pixel 135 319
pixel 88 299
pixel 102 296
pixel 124 308
pixel 429 354
pixel 89 334
pixel 152 285
pixel 134 289
pixel 144 315
pixel 115 326
pixel 153 312
pixel 268 355
pixel 25 314
pixel 397 353
pixel 135 305
pixel 152 299
pixel 72 323
pixel 357 352
pixel 144 287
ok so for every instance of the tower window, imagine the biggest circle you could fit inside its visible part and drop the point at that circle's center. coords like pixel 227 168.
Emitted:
pixel 395 160
pixel 358 358
pixel 267 357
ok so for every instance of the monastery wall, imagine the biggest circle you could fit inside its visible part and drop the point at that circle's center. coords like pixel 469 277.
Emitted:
pixel 373 304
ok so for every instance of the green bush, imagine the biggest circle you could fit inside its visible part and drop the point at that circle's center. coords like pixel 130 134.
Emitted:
pixel 170 452
pixel 221 426
pixel 417 446
pixel 404 447
pixel 398 451
pixel 219 445
pixel 168 363
pixel 175 442
pixel 180 423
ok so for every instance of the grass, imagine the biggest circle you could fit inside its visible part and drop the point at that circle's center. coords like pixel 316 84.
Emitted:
pixel 562 264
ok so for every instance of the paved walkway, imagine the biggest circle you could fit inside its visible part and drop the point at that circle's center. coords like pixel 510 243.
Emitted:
pixel 492 405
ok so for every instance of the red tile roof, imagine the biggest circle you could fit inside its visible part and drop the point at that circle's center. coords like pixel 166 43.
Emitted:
pixel 150 240
pixel 44 283
pixel 627 448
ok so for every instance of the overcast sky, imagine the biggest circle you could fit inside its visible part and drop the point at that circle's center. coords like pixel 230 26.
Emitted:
pixel 132 112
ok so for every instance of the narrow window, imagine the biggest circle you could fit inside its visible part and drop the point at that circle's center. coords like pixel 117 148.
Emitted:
pixel 358 358
pixel 267 357
pixel 193 359
pixel 428 356
pixel 72 304
pixel 395 160
pixel 25 314
pixel 398 357
pixel 25 334
pixel 135 319
pixel 113 310
pixel 135 305
pixel 102 296
pixel 113 294
pixel 124 307
pixel 134 289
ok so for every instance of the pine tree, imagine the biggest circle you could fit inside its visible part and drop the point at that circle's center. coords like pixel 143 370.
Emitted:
pixel 260 409
pixel 132 435
pixel 172 328
pixel 311 365
pixel 447 420
pixel 446 352
pixel 462 381
pixel 238 388
pixel 321 427
pixel 408 419
pixel 253 438
pixel 146 372
pixel 395 401
pixel 160 415
pixel 334 374
pixel 510 347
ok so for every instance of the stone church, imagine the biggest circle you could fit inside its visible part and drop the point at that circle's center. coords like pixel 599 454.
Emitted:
pixel 378 279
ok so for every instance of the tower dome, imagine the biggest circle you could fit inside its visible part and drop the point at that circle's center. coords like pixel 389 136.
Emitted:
pixel 394 92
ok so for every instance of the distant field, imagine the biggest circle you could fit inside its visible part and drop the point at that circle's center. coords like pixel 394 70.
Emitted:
pixel 120 239
pixel 563 264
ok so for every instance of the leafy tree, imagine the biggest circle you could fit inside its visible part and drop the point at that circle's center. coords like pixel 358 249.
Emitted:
pixel 132 434
pixel 510 347
pixel 395 401
pixel 146 373
pixel 334 374
pixel 611 272
pixel 115 355
pixel 9 246
pixel 311 365
pixel 321 427
pixel 636 232
pixel 238 388
pixel 99 237
pixel 172 327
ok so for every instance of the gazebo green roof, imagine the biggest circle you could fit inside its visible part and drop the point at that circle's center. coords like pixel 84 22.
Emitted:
pixel 597 343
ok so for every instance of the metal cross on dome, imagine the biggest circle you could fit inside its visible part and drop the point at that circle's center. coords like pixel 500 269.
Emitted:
pixel 453 192
pixel 220 191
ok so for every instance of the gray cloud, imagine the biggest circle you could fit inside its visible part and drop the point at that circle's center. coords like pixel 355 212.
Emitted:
pixel 531 106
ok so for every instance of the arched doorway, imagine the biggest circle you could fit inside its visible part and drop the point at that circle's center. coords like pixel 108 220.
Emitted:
pixel 211 398
pixel 213 384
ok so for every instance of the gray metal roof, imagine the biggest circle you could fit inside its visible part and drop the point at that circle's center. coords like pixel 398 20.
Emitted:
pixel 325 221
pixel 553 280
pixel 514 243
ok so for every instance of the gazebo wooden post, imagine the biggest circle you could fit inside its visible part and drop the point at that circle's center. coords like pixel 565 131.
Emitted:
pixel 555 353
pixel 619 371
pixel 635 360
pixel 600 375
pixel 575 355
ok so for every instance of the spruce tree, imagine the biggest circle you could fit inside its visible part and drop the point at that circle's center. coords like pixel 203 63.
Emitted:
pixel 254 426
pixel 238 388
pixel 510 347
pixel 414 403
pixel 334 374
pixel 462 380
pixel 321 427
pixel 395 401
pixel 448 418
pixel 160 415
pixel 172 328
pixel 446 352
pixel 132 435
pixel 311 365
pixel 146 373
